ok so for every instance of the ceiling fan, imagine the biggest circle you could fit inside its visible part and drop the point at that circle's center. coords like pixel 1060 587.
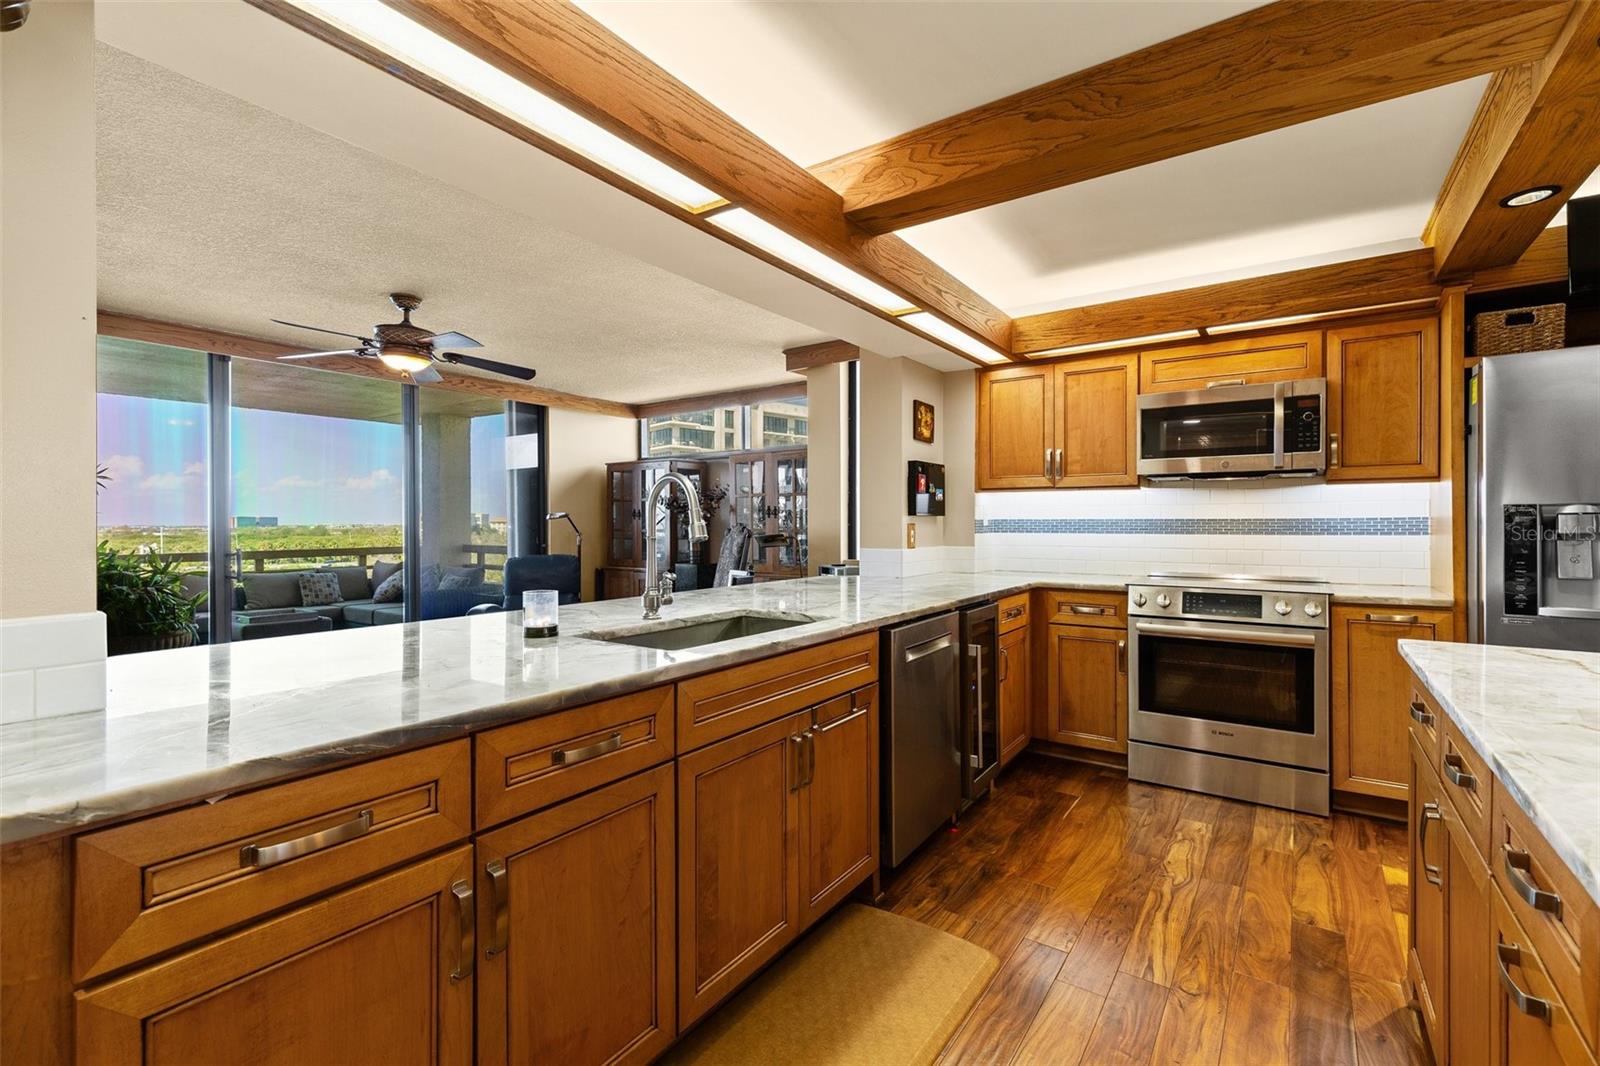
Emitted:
pixel 410 348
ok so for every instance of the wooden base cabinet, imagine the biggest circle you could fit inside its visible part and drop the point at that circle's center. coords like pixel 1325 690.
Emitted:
pixel 1087 682
pixel 838 802
pixel 1428 948
pixel 1369 721
pixel 380 973
pixel 1015 692
pixel 576 917
pixel 1529 1023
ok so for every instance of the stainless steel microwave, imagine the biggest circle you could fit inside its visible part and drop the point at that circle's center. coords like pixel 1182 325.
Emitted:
pixel 1274 430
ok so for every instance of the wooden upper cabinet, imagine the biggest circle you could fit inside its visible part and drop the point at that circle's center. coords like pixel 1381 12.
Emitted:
pixel 576 919
pixel 1372 690
pixel 1237 361
pixel 1096 422
pixel 380 973
pixel 1016 428
pixel 1383 400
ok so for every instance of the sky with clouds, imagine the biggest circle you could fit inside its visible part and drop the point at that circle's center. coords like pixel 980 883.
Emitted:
pixel 302 469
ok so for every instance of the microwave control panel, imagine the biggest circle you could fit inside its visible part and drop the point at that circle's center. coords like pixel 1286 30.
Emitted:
pixel 1302 423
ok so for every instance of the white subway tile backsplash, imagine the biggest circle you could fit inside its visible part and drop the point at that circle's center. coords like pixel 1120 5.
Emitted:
pixel 51 665
pixel 16 696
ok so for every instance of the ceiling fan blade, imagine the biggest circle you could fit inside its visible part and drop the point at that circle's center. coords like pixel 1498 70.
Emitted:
pixel 426 376
pixel 319 329
pixel 453 340
pixel 524 373
pixel 321 355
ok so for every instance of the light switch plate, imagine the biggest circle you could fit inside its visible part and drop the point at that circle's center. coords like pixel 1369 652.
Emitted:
pixel 911 535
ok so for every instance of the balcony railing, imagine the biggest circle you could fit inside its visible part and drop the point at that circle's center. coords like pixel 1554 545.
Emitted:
pixel 256 562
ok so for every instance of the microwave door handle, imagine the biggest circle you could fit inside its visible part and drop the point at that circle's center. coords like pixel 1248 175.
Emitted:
pixel 1277 425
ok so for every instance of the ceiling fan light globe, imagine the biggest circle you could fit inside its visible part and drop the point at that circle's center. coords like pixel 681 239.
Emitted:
pixel 398 359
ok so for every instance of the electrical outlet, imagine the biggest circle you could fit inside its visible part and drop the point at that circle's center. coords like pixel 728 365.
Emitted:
pixel 911 534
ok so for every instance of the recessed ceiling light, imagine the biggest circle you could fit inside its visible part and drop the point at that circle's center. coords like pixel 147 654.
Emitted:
pixel 426 51
pixel 939 329
pixel 797 253
pixel 1530 196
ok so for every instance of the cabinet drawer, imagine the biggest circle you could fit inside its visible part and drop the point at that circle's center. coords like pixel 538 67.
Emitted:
pixel 1467 781
pixel 148 886
pixel 714 706
pixel 1425 718
pixel 1550 1035
pixel 1086 608
pixel 532 764
pixel 1013 612
pixel 1551 906
pixel 1247 360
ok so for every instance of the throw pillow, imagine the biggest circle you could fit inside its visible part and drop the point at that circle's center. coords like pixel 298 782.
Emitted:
pixel 430 576
pixel 382 569
pixel 391 590
pixel 462 577
pixel 319 588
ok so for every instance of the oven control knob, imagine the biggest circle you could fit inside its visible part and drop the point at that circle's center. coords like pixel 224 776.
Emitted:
pixel 1282 607
pixel 1163 600
pixel 1313 609
pixel 1138 599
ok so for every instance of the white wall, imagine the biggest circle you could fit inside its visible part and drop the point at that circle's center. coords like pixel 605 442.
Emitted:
pixel 827 460
pixel 581 444
pixel 52 640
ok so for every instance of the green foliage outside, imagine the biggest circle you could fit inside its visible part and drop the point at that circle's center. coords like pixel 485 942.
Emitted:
pixel 140 595
pixel 312 545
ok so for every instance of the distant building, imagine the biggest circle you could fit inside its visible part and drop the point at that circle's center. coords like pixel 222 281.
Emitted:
pixel 248 521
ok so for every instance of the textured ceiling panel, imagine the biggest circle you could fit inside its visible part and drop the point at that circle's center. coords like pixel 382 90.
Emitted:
pixel 218 213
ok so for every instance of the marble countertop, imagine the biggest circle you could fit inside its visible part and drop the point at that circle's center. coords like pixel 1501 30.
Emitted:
pixel 1534 716
pixel 184 725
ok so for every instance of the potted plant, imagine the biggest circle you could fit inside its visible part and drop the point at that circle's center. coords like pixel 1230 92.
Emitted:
pixel 144 603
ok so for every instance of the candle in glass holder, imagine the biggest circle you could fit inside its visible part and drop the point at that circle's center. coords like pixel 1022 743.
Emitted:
pixel 539 613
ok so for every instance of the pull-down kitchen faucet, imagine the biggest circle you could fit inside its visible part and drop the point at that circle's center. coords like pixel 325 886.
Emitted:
pixel 658 586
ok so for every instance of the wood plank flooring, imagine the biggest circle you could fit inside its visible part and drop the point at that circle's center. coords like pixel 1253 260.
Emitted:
pixel 1144 925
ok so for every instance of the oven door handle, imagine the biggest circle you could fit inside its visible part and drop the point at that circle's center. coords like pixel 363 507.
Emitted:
pixel 1230 634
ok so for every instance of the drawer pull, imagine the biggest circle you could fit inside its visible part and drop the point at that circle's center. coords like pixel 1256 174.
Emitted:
pixel 500 903
pixel 1453 770
pixel 272 854
pixel 1224 382
pixel 1507 955
pixel 1087 608
pixel 1013 613
pixel 1430 812
pixel 836 723
pixel 465 930
pixel 1420 714
pixel 576 755
pixel 1517 869
pixel 1396 619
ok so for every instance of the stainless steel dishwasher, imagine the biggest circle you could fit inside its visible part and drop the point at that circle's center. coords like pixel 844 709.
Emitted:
pixel 922 738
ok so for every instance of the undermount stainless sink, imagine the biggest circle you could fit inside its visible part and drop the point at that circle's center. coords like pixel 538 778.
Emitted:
pixel 682 635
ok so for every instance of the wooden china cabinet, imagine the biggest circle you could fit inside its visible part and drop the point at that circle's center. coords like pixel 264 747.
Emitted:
pixel 769 496
pixel 628 487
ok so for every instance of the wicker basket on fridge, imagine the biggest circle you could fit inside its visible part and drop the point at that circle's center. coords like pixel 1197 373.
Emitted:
pixel 1521 329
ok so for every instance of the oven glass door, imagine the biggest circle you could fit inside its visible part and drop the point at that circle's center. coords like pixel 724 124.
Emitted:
pixel 1233 696
pixel 1196 431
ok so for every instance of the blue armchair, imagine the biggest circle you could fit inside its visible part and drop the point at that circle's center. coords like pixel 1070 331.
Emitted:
pixel 558 572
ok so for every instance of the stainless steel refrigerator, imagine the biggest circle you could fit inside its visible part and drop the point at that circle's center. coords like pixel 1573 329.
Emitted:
pixel 1533 471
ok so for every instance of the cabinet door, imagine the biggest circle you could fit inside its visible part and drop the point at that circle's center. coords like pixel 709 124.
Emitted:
pixel 1425 959
pixel 738 874
pixel 575 920
pixel 1383 401
pixel 622 520
pixel 1088 688
pixel 1095 427
pixel 1468 974
pixel 380 973
pixel 1016 428
pixel 1371 689
pixel 1016 693
pixel 1529 1024
pixel 839 801
pixel 1238 360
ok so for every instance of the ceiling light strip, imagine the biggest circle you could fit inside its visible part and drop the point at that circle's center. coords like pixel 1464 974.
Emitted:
pixel 427 52
pixel 1320 316
pixel 942 331
pixel 1124 342
pixel 759 233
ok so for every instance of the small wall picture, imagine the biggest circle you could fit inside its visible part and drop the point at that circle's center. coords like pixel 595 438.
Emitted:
pixel 922 421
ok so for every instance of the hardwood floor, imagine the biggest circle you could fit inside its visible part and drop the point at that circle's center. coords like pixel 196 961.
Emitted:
pixel 1137 924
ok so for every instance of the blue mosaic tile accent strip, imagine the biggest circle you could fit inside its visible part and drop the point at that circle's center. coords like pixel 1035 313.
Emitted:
pixel 1409 526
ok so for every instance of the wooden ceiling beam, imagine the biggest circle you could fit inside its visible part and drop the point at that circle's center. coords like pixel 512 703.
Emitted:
pixel 559 50
pixel 1544 262
pixel 218 342
pixel 1537 124
pixel 1267 68
pixel 821 354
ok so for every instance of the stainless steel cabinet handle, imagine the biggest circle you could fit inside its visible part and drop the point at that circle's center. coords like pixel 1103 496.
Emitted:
pixel 1430 812
pixel 500 902
pixel 1333 449
pixel 1517 869
pixel 1421 714
pixel 1506 956
pixel 1060 465
pixel 1013 612
pixel 272 854
pixel 1122 656
pixel 928 647
pixel 1087 608
pixel 797 743
pixel 466 951
pixel 1005 665
pixel 1397 619
pixel 577 755
pixel 1224 381
pixel 811 756
pixel 1049 464
pixel 837 722
pixel 1453 770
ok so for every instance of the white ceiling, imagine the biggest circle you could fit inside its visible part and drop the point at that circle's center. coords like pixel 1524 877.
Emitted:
pixel 816 80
